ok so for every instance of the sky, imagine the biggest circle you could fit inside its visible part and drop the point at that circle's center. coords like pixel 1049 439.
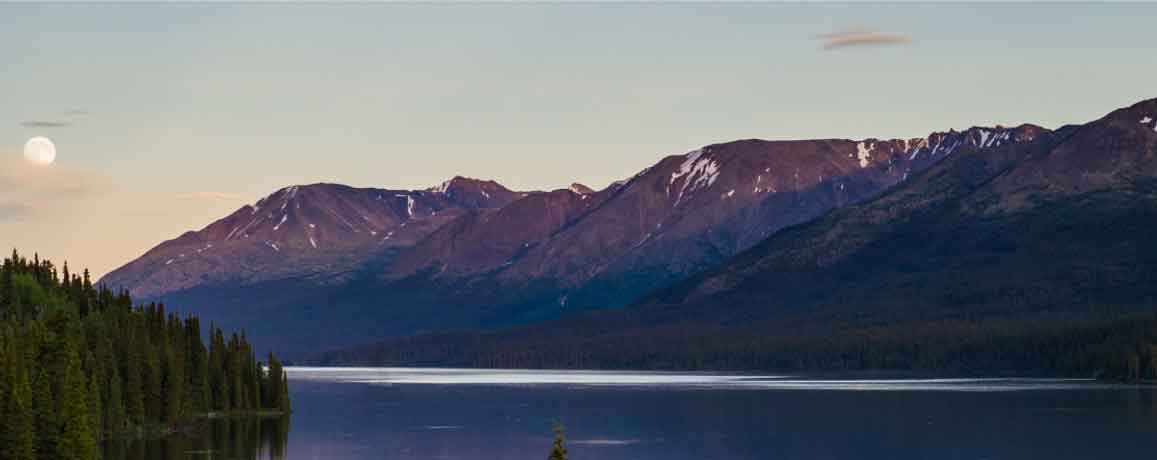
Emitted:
pixel 169 116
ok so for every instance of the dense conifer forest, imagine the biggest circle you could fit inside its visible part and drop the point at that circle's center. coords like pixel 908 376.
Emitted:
pixel 1116 348
pixel 80 364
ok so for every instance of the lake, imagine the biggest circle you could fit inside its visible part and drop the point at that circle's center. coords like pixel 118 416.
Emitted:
pixel 381 413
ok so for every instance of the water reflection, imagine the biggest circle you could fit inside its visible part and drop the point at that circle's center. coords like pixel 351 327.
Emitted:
pixel 250 437
pixel 451 414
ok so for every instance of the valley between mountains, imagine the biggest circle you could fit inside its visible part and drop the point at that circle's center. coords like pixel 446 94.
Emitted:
pixel 756 254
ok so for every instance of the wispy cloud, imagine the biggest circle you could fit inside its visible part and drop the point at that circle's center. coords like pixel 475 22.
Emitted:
pixel 861 37
pixel 208 196
pixel 26 190
pixel 75 112
pixel 45 124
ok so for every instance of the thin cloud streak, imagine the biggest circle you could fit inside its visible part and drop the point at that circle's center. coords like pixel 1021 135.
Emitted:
pixel 42 123
pixel 26 190
pixel 45 124
pixel 861 37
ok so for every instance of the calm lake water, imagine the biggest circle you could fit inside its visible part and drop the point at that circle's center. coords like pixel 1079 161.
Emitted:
pixel 374 413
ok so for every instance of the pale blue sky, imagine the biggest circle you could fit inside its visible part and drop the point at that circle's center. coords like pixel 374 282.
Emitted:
pixel 242 100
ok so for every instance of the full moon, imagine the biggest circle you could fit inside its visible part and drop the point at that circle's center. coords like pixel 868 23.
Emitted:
pixel 40 151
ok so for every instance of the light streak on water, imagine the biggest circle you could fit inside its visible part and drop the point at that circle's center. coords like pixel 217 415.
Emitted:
pixel 579 379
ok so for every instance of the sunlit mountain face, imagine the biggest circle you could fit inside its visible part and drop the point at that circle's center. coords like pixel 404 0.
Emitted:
pixel 374 263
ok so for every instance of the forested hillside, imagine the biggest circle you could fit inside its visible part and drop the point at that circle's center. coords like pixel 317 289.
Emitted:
pixel 80 363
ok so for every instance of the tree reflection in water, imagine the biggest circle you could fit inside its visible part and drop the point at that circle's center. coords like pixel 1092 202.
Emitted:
pixel 248 437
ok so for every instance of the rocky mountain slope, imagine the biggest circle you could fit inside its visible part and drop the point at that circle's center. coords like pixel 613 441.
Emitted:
pixel 319 231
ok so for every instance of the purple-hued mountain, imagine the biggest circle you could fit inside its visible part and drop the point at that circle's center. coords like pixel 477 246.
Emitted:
pixel 320 231
pixel 324 265
pixel 1030 258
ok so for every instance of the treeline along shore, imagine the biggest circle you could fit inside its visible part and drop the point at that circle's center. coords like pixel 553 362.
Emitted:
pixel 81 363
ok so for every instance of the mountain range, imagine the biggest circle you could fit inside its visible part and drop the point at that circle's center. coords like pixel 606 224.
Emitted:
pixel 322 266
pixel 1024 257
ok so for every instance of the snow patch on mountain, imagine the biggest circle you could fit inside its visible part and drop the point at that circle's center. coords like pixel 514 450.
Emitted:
pixel 443 187
pixel 697 171
pixel 1148 120
pixel 864 152
pixel 951 141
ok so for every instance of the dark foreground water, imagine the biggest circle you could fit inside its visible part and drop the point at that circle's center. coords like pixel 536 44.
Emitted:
pixel 361 414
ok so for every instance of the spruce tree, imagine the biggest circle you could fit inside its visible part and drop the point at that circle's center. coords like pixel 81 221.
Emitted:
pixel 114 409
pixel 235 370
pixel 8 367
pixel 95 407
pixel 134 398
pixel 173 388
pixel 197 365
pixel 277 388
pixel 283 403
pixel 95 395
pixel 44 412
pixel 218 383
pixel 558 450
pixel 152 378
pixel 77 441
pixel 18 440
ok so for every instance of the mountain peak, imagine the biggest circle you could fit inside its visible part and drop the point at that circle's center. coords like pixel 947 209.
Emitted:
pixel 1143 114
pixel 475 193
pixel 463 182
pixel 580 189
